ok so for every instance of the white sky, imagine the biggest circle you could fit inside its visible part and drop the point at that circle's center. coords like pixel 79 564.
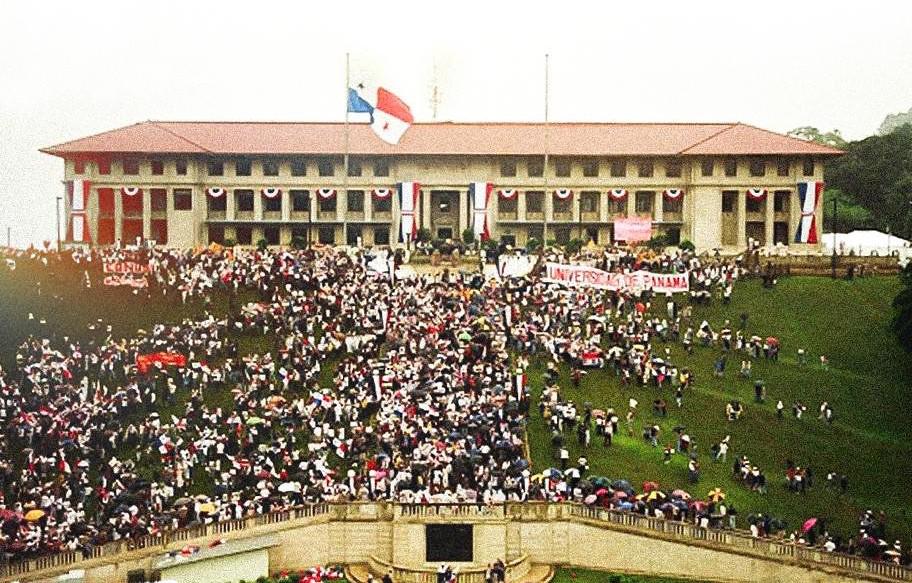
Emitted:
pixel 70 69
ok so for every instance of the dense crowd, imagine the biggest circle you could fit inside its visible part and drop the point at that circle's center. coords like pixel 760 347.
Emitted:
pixel 413 389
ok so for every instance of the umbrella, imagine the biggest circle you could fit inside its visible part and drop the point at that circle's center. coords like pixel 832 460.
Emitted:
pixel 808 524
pixel 655 495
pixel 255 421
pixel 619 495
pixel 601 492
pixel 680 494
pixel 622 485
pixel 182 501
pixel 600 481
pixel 553 473
pixel 34 515
pixel 288 487
pixel 698 505
pixel 590 499
pixel 7 514
pixel 650 486
pixel 772 341
pixel 716 494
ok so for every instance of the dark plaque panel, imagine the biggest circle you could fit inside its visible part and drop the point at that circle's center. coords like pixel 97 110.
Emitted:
pixel 448 543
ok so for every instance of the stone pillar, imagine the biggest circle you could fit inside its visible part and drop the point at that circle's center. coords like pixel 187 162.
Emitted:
pixel 658 210
pixel 521 206
pixel 395 219
pixel 147 213
pixel 118 215
pixel 463 219
pixel 368 211
pixel 631 203
pixel 230 205
pixel 257 206
pixel 341 206
pixel 603 207
pixel 795 215
pixel 549 207
pixel 425 198
pixel 286 205
pixel 770 217
pixel 742 218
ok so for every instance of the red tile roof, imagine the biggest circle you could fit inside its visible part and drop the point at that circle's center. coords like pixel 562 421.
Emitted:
pixel 480 139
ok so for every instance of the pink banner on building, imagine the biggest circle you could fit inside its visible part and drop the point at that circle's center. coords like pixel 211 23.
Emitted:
pixel 584 276
pixel 632 230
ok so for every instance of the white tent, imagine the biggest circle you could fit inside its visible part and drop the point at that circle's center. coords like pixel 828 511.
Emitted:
pixel 867 243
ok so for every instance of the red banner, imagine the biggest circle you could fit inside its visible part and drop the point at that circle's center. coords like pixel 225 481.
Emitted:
pixel 584 276
pixel 145 361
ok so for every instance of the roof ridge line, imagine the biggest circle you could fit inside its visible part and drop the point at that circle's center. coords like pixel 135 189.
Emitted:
pixel 706 139
pixel 95 135
pixel 180 137
pixel 788 137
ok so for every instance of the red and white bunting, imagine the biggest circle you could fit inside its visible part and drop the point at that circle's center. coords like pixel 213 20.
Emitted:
pixel 507 193
pixel 131 190
pixel 216 192
pixel 271 192
pixel 617 193
pixel 673 193
pixel 326 192
pixel 382 193
pixel 563 193
pixel 756 193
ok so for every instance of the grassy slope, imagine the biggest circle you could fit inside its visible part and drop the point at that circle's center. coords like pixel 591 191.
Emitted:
pixel 844 320
pixel 589 576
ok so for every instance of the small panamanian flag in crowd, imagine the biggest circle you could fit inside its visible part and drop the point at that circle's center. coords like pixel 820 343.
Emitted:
pixel 390 116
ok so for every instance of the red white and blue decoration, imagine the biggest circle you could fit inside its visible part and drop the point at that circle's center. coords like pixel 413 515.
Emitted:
pixel 673 193
pixel 271 192
pixel 809 194
pixel 77 192
pixel 382 193
pixel 390 116
pixel 131 190
pixel 480 193
pixel 216 192
pixel 563 193
pixel 325 193
pixel 408 210
pixel 507 193
pixel 617 193
pixel 756 193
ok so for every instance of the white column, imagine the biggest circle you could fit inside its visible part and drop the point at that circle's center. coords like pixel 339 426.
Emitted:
pixel 603 207
pixel 658 211
pixel 118 215
pixel 462 220
pixel 257 205
pixel 631 203
pixel 147 213
pixel 286 204
pixel 341 205
pixel 770 217
pixel 368 211
pixel 742 218
pixel 426 210
pixel 230 206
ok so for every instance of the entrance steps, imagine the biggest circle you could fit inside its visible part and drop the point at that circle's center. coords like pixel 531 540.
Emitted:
pixel 358 573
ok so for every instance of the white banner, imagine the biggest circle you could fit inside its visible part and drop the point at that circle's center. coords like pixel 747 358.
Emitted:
pixel 638 280
pixel 517 265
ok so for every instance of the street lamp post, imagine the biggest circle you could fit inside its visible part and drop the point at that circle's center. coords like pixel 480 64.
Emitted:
pixel 833 261
pixel 59 198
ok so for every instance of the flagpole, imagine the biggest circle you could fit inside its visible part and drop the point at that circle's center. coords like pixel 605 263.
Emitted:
pixel 547 196
pixel 345 162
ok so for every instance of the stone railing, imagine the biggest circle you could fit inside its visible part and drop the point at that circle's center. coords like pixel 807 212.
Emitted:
pixel 514 570
pixel 735 541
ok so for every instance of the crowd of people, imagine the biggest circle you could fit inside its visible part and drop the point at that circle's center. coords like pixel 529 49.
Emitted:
pixel 363 388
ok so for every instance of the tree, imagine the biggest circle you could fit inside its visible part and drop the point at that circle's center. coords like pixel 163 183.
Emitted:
pixel 902 304
pixel 833 138
pixel 851 215
pixel 468 236
pixel 893 121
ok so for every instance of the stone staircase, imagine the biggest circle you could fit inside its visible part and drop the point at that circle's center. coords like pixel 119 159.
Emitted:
pixel 358 573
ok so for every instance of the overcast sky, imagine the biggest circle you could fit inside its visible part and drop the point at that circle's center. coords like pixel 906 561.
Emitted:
pixel 71 69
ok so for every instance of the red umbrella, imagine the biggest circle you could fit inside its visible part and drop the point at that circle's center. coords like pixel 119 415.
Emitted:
pixel 590 499
pixel 601 492
pixel 650 486
pixel 772 341
pixel 808 524
pixel 698 505
pixel 619 495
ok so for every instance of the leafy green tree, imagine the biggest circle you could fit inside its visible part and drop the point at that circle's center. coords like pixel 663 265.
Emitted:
pixel 468 236
pixel 850 215
pixel 833 138
pixel 893 121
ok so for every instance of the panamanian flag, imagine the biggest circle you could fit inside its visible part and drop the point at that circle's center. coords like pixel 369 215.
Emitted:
pixel 809 194
pixel 390 116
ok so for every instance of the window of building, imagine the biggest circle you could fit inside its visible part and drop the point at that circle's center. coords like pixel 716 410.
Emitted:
pixel 298 167
pixel 808 167
pixel 590 168
pixel 159 199
pixel 242 167
pixel 243 201
pixel 754 205
pixel 535 201
pixel 535 167
pixel 183 199
pixel 383 205
pixel 106 201
pixel 272 205
pixel 300 201
pixel 506 205
pixel 271 234
pixel 327 205
pixel 180 167
pixel 561 205
pixel 270 168
pixel 244 234
pixel 381 167
pixel 353 234
pixel 326 235
pixel 729 201
pixel 508 168
pixel 707 166
pixel 757 167
pixel 381 236
pixel 589 202
pixel 104 166
pixel 618 168
pixel 215 168
pixel 326 167
pixel 354 167
pixel 672 205
pixel 157 167
pixel 731 167
pixel 130 167
pixel 217 233
pixel 781 201
pixel 562 167
pixel 616 206
pixel 355 201
pixel 644 201
pixel 783 167
pixel 78 167
pixel 217 204
pixel 562 235
pixel 645 169
pixel 673 169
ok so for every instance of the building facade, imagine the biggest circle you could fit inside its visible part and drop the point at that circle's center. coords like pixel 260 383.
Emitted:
pixel 185 184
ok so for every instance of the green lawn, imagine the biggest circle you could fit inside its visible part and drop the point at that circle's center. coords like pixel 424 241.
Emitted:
pixel 865 384
pixel 589 576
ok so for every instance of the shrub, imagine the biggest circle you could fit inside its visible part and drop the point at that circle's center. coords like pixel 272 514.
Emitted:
pixel 658 242
pixel 687 245
pixel 298 242
pixel 533 245
pixel 424 235
pixel 468 236
pixel 262 244
pixel 573 245
pixel 230 242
